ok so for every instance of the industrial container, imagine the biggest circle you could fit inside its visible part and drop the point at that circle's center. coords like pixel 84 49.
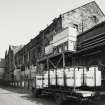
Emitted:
pixel 45 79
pixel 38 81
pixel 93 77
pixel 73 77
pixel 78 76
pixel 19 84
pixel 52 77
pixel 60 77
pixel 16 84
pixel 22 83
pixel 69 77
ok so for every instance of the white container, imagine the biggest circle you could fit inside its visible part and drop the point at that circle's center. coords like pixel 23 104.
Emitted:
pixel 74 77
pixel 38 81
pixel 60 77
pixel 19 84
pixel 52 77
pixel 45 81
pixel 70 77
pixel 22 83
pixel 16 84
pixel 93 77
pixel 98 78
pixel 90 80
pixel 78 80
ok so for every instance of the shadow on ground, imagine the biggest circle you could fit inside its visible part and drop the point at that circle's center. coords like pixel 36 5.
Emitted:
pixel 48 100
pixel 42 100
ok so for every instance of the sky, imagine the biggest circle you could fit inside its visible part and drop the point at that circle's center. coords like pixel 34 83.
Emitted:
pixel 22 20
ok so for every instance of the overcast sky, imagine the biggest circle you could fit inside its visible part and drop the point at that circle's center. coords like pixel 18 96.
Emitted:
pixel 21 20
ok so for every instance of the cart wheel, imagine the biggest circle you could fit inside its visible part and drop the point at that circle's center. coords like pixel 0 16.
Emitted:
pixel 58 98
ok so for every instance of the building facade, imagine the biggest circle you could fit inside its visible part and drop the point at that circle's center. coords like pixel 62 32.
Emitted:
pixel 22 64
pixel 2 69
pixel 81 18
pixel 10 61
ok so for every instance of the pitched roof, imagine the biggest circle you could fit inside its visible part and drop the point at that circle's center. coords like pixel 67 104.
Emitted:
pixel 87 4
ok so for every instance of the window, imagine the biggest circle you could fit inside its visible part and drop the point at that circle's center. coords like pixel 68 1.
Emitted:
pixel 94 19
pixel 75 26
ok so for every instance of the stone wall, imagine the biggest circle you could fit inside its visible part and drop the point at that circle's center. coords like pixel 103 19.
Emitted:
pixel 84 17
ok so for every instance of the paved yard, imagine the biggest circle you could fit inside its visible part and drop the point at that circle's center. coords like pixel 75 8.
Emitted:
pixel 16 96
pixel 13 96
